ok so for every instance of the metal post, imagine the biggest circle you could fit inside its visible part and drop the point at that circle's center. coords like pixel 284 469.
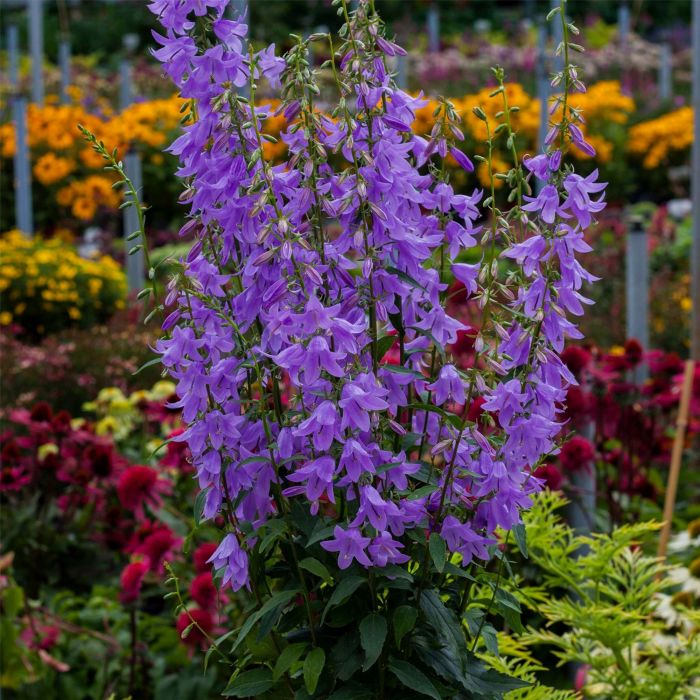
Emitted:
pixel 134 263
pixel 638 287
pixel 433 27
pixel 36 45
pixel 623 23
pixel 125 95
pixel 695 176
pixel 581 512
pixel 22 168
pixel 64 65
pixel 402 72
pixel 13 55
pixel 623 31
pixel 665 73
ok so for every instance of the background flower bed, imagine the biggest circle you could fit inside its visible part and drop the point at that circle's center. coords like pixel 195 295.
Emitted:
pixel 71 368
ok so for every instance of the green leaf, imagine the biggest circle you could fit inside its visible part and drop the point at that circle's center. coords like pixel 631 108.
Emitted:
pixel 385 344
pixel 320 533
pixel 414 679
pixel 405 278
pixel 342 592
pixel 520 538
pixel 273 529
pixel 313 666
pixel 249 684
pixel 372 635
pixel 422 491
pixel 279 598
pixel 509 608
pixel 352 691
pixel 438 551
pixel 199 505
pixel 315 567
pixel 443 621
pixel 150 363
pixel 489 635
pixel 404 621
pixel 289 656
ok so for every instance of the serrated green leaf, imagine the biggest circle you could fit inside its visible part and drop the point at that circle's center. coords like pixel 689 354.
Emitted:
pixel 249 684
pixel 342 592
pixel 199 502
pixel 288 657
pixel 314 566
pixel 313 667
pixel 413 678
pixel 520 538
pixel 438 551
pixel 404 620
pixel 373 630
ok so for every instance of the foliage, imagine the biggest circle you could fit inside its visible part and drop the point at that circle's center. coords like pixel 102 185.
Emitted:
pixel 68 369
pixel 47 287
pixel 598 596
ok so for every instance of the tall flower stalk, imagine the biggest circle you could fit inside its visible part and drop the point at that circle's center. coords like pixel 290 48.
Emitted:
pixel 361 472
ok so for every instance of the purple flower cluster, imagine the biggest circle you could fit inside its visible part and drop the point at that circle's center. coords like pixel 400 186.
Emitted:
pixel 280 325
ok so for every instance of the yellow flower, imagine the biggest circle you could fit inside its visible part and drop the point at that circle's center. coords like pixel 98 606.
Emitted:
pixel 83 209
pixel 48 448
pixel 50 168
pixel 5 318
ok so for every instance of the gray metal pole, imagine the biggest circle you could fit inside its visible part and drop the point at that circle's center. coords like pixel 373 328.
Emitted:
pixel 125 94
pixel 580 511
pixel 22 169
pixel 623 23
pixel 13 55
pixel 64 65
pixel 36 46
pixel 695 175
pixel 665 73
pixel 433 27
pixel 402 72
pixel 134 263
pixel 637 276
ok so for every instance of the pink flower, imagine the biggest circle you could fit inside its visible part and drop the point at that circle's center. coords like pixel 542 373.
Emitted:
pixel 131 580
pixel 139 485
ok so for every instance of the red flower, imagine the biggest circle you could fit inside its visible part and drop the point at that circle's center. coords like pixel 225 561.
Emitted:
pixel 139 485
pixel 576 454
pixel 40 637
pixel 475 410
pixel 131 580
pixel 577 404
pixel 41 412
pixel 203 591
pixel 551 476
pixel 465 342
pixel 177 454
pixel 201 555
pixel 204 622
pixel 634 351
pixel 158 545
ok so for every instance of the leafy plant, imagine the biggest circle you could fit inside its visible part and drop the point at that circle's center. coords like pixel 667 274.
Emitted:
pixel 599 596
